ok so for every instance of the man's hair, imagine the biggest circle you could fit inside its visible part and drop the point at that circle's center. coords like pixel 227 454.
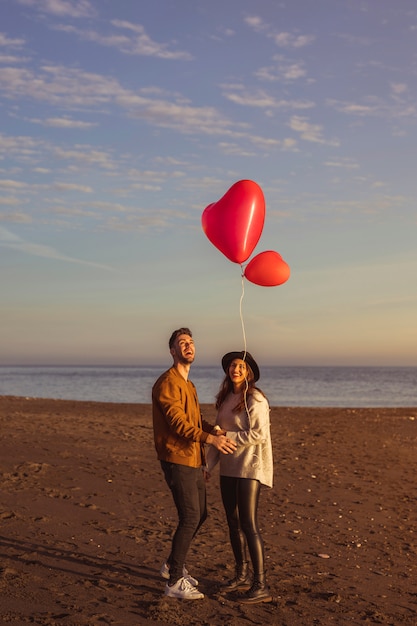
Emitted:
pixel 180 331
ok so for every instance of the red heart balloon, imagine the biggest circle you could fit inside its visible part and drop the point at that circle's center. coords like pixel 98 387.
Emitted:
pixel 267 269
pixel 234 223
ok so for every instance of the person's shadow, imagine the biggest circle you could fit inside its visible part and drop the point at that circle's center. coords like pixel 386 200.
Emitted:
pixel 76 563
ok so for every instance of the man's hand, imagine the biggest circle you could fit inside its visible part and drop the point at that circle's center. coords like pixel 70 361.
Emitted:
pixel 222 443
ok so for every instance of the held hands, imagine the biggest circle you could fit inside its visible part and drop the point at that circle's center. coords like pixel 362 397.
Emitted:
pixel 222 443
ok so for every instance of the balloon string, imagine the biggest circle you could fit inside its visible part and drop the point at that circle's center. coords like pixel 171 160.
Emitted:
pixel 241 315
pixel 244 340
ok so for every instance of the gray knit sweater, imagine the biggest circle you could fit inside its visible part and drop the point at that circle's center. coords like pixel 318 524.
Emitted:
pixel 253 457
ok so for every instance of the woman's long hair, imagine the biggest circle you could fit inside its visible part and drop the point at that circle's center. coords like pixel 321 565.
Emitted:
pixel 247 390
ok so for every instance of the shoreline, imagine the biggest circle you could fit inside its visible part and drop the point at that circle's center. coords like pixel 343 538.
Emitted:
pixel 87 519
pixel 209 406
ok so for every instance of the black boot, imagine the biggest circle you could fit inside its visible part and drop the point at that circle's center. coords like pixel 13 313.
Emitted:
pixel 259 591
pixel 241 581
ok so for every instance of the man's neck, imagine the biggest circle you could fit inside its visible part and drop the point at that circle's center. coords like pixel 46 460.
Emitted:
pixel 183 369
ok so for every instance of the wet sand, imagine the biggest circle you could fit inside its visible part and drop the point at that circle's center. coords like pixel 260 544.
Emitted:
pixel 86 520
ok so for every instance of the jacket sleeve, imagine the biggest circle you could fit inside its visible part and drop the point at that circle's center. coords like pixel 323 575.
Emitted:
pixel 207 427
pixel 181 410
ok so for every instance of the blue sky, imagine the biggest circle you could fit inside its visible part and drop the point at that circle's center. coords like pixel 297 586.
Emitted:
pixel 121 121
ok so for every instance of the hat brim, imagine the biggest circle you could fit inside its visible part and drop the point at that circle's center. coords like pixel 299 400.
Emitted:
pixel 244 356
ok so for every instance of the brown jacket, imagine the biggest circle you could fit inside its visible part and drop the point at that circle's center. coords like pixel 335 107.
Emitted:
pixel 179 430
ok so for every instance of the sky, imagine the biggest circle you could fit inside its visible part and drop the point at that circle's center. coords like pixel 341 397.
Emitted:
pixel 122 121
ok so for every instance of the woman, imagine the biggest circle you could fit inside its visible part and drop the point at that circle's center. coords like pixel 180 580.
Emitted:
pixel 243 414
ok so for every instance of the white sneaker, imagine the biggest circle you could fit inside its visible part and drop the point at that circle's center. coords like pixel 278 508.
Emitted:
pixel 183 589
pixel 164 571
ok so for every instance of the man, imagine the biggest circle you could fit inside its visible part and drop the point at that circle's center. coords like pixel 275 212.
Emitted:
pixel 180 434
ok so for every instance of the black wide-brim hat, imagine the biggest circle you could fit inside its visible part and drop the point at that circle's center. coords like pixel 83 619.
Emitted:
pixel 244 356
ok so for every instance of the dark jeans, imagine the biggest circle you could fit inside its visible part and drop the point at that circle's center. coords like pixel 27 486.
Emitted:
pixel 240 498
pixel 188 489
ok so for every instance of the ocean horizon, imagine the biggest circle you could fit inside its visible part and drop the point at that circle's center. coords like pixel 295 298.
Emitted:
pixel 314 386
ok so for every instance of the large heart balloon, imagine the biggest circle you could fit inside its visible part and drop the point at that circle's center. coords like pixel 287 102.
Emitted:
pixel 267 269
pixel 234 223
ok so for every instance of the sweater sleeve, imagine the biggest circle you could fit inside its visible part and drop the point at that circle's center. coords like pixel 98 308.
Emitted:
pixel 212 458
pixel 257 431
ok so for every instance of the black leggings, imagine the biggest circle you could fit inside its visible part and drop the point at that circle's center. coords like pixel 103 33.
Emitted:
pixel 240 500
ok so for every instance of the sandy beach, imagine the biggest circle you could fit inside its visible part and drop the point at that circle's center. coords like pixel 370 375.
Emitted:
pixel 86 520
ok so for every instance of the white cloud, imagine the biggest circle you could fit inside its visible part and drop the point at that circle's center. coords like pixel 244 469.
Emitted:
pixel 72 187
pixel 399 88
pixel 135 42
pixel 8 59
pixel 16 217
pixel 73 88
pixel 256 23
pixel 282 39
pixel 13 184
pixel 288 40
pixel 65 122
pixel 183 118
pixel 62 8
pixel 376 108
pixel 142 44
pixel 283 71
pixel 234 149
pixel 67 87
pixel 264 142
pixel 260 99
pixel 9 201
pixel 344 163
pixel 11 42
pixel 289 143
pixel 18 146
pixel 159 219
pixel 309 132
pixel 85 155
pixel 10 240
pixel 353 108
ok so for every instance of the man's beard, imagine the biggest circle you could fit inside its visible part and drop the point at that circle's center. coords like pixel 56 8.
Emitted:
pixel 186 360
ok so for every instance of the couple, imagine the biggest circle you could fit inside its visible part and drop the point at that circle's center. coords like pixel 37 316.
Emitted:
pixel 240 440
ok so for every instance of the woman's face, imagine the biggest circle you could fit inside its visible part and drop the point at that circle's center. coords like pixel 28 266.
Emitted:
pixel 238 372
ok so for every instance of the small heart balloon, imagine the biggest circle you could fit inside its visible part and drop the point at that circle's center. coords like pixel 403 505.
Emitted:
pixel 234 223
pixel 267 269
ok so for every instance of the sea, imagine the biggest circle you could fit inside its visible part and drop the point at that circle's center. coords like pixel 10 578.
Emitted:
pixel 356 387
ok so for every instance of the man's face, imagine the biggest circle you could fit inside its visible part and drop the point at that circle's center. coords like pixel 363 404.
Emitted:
pixel 183 350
